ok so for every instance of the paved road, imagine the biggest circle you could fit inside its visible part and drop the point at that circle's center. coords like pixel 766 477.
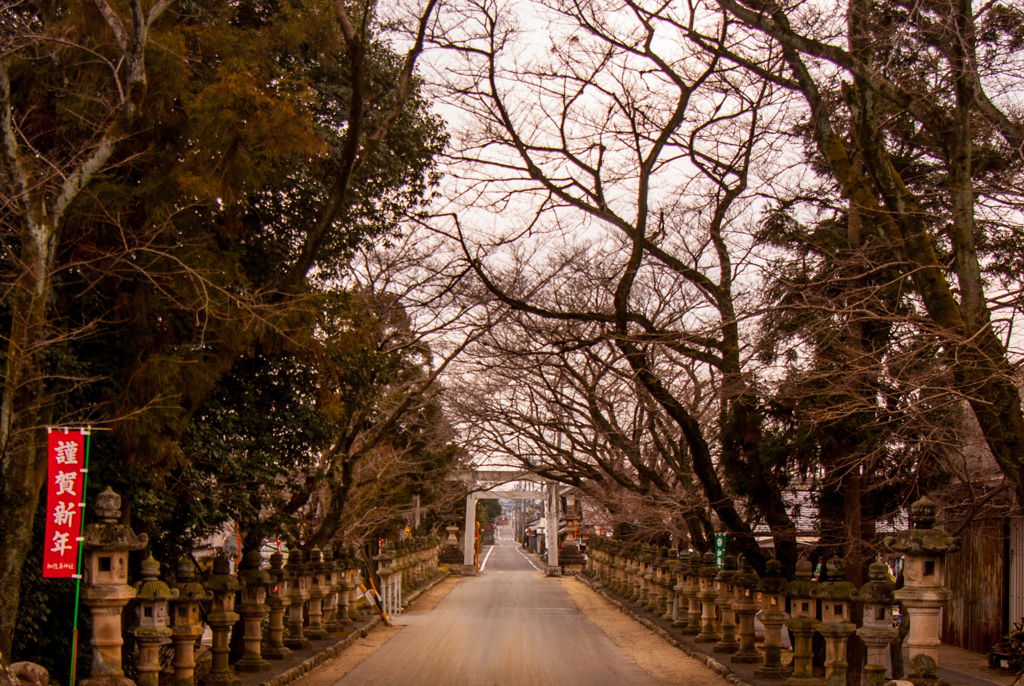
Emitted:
pixel 507 627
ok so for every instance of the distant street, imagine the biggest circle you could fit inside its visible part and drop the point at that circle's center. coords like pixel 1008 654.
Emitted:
pixel 507 627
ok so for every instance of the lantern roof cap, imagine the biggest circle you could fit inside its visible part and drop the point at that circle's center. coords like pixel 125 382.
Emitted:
pixel 221 581
pixel 922 539
pixel 151 588
pixel 185 583
pixel 879 588
pixel 803 585
pixel 835 588
pixel 772 582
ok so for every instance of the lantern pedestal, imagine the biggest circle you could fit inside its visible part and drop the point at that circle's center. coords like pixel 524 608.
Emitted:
pixel 836 637
pixel 772 668
pixel 803 629
pixel 924 606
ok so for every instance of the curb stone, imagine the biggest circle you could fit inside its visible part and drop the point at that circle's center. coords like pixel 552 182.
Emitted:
pixel 708 661
pixel 311 663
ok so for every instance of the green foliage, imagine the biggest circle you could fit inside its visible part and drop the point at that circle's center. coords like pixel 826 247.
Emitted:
pixel 487 511
pixel 1012 647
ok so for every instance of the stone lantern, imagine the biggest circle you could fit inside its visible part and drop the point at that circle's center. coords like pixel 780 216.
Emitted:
pixel 277 599
pixel 221 618
pixel 253 609
pixel 345 585
pixel 671 598
pixel 622 582
pixel 772 617
pixel 803 622
pixel 653 581
pixel 298 594
pixel 877 631
pixel 724 581
pixel 613 549
pixel 106 590
pixel 314 568
pixel 640 573
pixel 693 594
pixel 355 578
pixel 924 551
pixel 186 621
pixel 385 571
pixel 153 624
pixel 746 606
pixel 634 572
pixel 836 595
pixel 333 585
pixel 707 595
pixel 681 616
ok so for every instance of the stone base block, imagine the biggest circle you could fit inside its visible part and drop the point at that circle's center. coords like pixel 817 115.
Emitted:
pixel 802 681
pixel 769 672
pixel 107 681
pixel 229 679
pixel 748 658
pixel 725 648
pixel 272 653
pixel 252 664
pixel 552 571
pixel 298 643
pixel 336 627
pixel 317 634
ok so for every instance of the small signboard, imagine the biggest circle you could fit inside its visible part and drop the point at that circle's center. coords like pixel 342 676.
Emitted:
pixel 720 550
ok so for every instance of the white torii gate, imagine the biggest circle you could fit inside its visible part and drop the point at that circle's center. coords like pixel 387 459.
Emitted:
pixel 478 481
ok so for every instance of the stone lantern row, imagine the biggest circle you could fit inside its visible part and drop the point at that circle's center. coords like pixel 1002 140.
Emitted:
pixel 692 591
pixel 323 589
pixel 404 566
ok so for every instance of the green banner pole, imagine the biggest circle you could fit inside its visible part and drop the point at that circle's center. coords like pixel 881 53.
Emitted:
pixel 81 544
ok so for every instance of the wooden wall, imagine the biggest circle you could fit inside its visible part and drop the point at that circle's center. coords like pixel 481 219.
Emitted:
pixel 976 575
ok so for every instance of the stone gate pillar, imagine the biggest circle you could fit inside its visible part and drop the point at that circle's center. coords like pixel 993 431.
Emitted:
pixel 469 538
pixel 551 530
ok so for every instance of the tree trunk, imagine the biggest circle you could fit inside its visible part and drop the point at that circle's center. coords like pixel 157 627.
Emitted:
pixel 22 419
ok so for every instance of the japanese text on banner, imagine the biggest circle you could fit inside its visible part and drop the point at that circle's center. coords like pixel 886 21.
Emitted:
pixel 66 452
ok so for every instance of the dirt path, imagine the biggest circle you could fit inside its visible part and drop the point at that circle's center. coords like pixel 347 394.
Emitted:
pixel 663 661
pixel 333 670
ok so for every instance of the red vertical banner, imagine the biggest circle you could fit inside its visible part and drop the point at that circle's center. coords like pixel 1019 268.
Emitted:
pixel 64 499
